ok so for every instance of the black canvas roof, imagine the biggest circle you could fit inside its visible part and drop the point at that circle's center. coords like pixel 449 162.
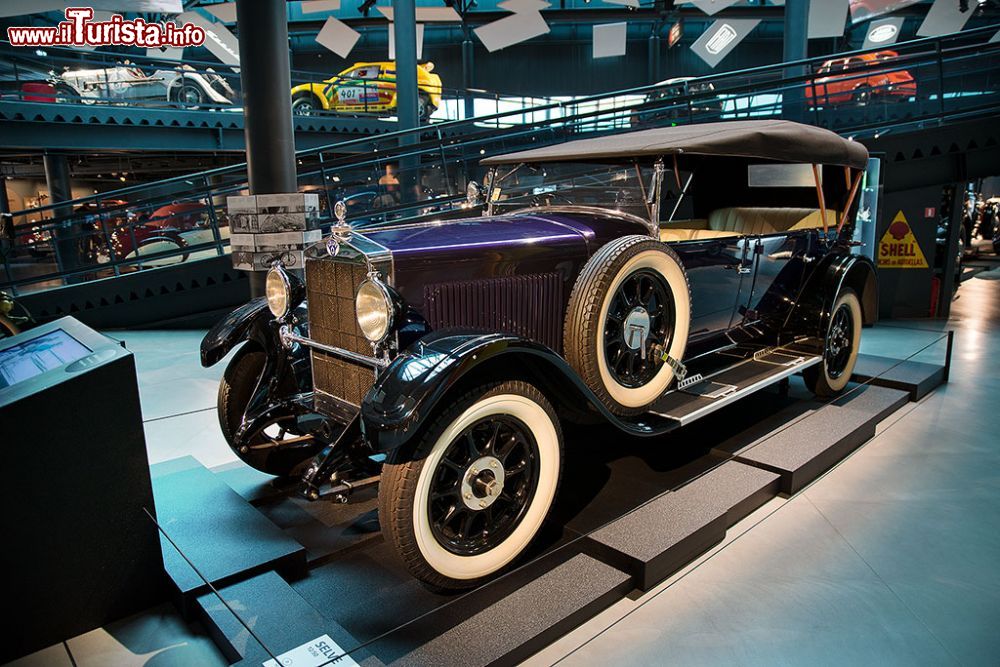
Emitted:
pixel 766 139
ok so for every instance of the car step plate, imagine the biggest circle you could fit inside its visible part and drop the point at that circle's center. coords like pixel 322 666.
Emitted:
pixel 697 399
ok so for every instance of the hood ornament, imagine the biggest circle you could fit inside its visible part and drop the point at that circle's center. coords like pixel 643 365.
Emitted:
pixel 340 232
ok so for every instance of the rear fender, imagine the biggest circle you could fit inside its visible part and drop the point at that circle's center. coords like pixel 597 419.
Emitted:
pixel 814 306
pixel 409 392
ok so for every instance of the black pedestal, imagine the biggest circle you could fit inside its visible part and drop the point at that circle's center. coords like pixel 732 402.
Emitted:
pixel 78 549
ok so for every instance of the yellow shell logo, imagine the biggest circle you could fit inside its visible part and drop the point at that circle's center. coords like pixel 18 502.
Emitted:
pixel 898 248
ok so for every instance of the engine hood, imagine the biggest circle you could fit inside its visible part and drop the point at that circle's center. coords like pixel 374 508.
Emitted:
pixel 530 232
pixel 482 248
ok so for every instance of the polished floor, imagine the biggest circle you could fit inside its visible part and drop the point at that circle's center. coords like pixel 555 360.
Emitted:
pixel 891 558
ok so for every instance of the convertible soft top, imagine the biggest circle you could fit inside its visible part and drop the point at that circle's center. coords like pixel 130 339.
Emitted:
pixel 766 139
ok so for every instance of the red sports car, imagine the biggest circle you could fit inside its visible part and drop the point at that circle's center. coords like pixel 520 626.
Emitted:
pixel 859 79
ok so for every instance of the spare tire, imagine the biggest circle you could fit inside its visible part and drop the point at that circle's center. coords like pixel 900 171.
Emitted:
pixel 630 306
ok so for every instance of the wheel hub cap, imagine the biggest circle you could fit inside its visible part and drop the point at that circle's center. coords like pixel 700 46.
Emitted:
pixel 636 328
pixel 482 482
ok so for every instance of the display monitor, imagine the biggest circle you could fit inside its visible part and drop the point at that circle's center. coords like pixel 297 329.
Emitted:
pixel 38 355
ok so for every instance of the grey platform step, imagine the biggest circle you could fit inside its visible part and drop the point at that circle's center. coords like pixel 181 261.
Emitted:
pixel 223 535
pixel 810 446
pixel 719 390
pixel 528 619
pixel 915 377
pixel 657 539
pixel 279 618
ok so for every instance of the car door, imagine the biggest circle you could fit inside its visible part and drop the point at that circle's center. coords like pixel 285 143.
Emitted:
pixel 717 271
pixel 778 270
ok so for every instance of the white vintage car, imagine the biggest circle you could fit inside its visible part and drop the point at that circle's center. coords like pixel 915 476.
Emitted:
pixel 127 83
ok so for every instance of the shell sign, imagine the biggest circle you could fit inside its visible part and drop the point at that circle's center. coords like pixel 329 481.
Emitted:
pixel 898 248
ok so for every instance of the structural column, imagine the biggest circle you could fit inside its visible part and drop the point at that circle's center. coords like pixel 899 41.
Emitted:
pixel 267 108
pixel 796 47
pixel 405 34
pixel 66 236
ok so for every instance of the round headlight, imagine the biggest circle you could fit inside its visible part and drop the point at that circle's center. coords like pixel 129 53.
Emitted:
pixel 278 290
pixel 373 306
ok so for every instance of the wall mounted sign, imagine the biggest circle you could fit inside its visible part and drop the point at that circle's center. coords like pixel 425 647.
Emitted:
pixel 898 248
pixel 338 36
pixel 946 16
pixel 883 32
pixel 827 18
pixel 721 38
pixel 610 39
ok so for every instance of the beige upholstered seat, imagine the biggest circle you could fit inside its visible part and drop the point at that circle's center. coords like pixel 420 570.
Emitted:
pixel 726 222
pixel 746 220
pixel 680 234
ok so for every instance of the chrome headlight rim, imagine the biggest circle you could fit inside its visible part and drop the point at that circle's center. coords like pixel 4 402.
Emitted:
pixel 388 302
pixel 278 277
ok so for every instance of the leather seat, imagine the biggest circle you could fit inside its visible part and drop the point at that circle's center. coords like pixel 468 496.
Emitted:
pixel 768 220
pixel 671 234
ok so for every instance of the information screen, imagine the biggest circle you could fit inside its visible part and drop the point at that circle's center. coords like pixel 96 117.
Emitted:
pixel 34 357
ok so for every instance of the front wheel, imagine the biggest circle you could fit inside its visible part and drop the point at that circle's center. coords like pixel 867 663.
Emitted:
pixel 189 95
pixel 472 494
pixel 840 350
pixel 275 449
pixel 305 104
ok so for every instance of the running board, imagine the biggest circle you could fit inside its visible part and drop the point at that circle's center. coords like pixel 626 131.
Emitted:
pixel 692 401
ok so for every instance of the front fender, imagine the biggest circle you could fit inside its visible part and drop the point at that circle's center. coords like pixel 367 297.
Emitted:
pixel 316 89
pixel 248 321
pixel 408 392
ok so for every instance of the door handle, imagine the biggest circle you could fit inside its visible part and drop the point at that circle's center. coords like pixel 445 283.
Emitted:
pixel 739 268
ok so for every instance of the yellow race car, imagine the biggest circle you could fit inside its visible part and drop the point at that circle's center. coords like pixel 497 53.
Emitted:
pixel 366 88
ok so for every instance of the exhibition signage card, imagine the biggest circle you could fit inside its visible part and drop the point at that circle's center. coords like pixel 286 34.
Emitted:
pixel 320 651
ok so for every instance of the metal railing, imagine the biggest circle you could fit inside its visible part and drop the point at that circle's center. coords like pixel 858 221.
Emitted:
pixel 424 172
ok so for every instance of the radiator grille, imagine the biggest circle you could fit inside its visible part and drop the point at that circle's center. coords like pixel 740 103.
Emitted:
pixel 530 306
pixel 331 285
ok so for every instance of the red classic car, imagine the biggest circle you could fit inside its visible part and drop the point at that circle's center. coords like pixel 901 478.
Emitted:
pixel 859 79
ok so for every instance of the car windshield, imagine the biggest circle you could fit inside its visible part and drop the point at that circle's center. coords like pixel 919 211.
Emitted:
pixel 622 187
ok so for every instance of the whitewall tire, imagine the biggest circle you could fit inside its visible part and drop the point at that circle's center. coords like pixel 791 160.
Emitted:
pixel 840 349
pixel 471 496
pixel 630 305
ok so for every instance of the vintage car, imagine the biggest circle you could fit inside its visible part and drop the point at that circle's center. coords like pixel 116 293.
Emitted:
pixel 367 88
pixel 644 279
pixel 846 81
pixel 130 84
pixel 669 101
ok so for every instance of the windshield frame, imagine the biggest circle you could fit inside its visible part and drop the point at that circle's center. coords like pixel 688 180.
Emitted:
pixel 651 194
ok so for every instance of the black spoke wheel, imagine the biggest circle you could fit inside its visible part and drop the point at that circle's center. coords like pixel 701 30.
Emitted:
pixel 840 347
pixel 639 322
pixel 839 340
pixel 275 449
pixel 462 502
pixel 628 316
pixel 483 484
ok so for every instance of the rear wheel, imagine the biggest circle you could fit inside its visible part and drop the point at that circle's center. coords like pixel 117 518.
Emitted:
pixel 862 95
pixel 468 499
pixel 305 104
pixel 424 107
pixel 840 353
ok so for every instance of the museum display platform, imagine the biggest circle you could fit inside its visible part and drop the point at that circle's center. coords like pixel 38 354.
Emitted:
pixel 268 572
